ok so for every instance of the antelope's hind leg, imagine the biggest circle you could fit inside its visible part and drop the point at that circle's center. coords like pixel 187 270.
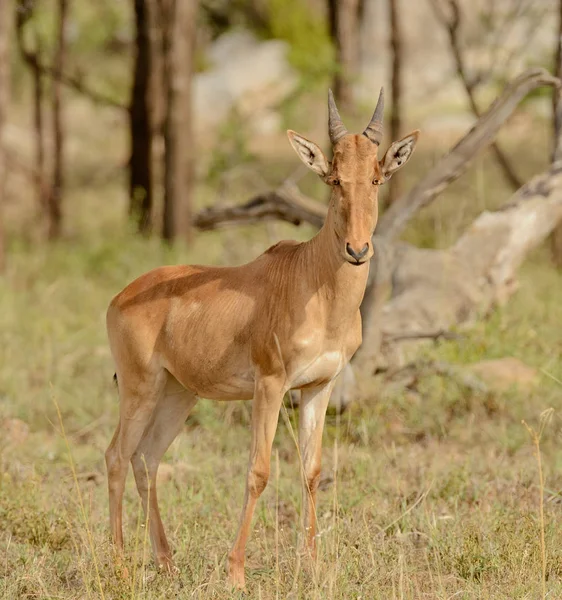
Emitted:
pixel 139 392
pixel 165 424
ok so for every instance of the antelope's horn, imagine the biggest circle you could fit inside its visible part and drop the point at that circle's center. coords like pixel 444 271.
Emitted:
pixel 335 124
pixel 374 128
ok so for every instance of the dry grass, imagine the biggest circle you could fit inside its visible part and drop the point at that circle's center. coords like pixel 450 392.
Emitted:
pixel 431 494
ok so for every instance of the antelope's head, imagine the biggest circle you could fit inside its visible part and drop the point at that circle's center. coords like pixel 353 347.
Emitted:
pixel 355 174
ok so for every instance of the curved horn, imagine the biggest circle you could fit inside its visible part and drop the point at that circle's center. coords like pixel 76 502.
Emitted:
pixel 374 128
pixel 335 124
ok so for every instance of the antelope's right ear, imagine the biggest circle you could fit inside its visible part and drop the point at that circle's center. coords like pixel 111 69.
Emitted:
pixel 309 153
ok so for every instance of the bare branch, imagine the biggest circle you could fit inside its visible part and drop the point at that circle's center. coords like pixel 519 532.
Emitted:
pixel 24 13
pixel 453 24
pixel 457 160
pixel 440 334
pixel 437 289
pixel 76 83
pixel 286 203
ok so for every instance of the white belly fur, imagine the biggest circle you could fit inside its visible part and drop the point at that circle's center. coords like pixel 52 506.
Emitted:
pixel 323 368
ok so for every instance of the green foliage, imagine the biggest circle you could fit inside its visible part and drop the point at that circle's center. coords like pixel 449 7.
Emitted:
pixel 231 149
pixel 311 49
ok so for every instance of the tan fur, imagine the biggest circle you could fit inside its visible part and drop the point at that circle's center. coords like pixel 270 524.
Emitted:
pixel 288 319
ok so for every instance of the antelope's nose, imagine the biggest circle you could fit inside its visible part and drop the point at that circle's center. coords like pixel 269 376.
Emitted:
pixel 357 254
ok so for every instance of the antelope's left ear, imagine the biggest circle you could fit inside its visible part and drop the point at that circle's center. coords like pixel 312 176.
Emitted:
pixel 309 153
pixel 398 154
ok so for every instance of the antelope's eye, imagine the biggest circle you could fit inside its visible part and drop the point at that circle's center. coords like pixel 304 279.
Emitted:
pixel 335 181
pixel 376 181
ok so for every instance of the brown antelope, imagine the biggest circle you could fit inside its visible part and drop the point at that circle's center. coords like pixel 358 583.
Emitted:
pixel 287 320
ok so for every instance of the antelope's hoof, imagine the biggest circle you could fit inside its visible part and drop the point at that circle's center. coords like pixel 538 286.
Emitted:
pixel 236 575
pixel 166 565
pixel 123 572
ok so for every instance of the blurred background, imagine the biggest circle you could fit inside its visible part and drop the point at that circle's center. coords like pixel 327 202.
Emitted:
pixel 154 110
pixel 136 133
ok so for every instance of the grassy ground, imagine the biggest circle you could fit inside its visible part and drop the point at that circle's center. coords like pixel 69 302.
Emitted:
pixel 433 494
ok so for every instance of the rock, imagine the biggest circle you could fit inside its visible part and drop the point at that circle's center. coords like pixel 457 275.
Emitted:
pixel 165 473
pixel 503 373
pixel 266 123
pixel 14 431
pixel 246 74
pixel 231 46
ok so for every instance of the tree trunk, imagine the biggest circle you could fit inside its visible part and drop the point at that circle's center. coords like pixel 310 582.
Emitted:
pixel 140 173
pixel 556 237
pixel 178 37
pixel 396 107
pixel 344 29
pixel 5 13
pixel 54 198
pixel 453 26
pixel 31 59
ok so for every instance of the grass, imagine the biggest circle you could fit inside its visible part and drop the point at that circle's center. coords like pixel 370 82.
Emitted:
pixel 425 493
pixel 434 493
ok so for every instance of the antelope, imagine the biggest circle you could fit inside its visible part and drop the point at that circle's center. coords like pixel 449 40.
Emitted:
pixel 287 320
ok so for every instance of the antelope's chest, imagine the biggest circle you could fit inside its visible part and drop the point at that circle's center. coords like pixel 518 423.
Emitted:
pixel 318 360
pixel 315 370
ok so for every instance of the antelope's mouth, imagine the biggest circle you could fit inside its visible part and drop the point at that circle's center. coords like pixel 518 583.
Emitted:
pixel 356 263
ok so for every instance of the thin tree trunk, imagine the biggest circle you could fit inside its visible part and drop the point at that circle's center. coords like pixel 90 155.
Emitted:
pixel 54 198
pixel 396 107
pixel 171 117
pixel 4 100
pixel 453 25
pixel 179 18
pixel 556 237
pixel 344 29
pixel 31 59
pixel 40 180
pixel 140 173
pixel 189 20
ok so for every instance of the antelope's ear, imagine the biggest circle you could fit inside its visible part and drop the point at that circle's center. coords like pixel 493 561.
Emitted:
pixel 399 154
pixel 309 153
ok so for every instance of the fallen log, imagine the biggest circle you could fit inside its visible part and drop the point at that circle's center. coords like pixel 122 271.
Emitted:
pixel 412 291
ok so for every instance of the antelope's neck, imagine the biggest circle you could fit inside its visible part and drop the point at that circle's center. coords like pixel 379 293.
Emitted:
pixel 339 285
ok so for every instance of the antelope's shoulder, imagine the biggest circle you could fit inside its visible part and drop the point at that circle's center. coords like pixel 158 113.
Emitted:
pixel 163 283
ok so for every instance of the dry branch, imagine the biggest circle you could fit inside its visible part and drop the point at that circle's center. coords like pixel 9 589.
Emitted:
pixel 23 14
pixel 457 160
pixel 453 25
pixel 286 203
pixel 414 291
pixel 437 289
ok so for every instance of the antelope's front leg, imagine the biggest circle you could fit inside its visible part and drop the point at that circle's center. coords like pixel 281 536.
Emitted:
pixel 265 414
pixel 314 403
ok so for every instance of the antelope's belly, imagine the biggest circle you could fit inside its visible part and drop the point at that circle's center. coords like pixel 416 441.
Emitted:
pixel 320 369
pixel 227 379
